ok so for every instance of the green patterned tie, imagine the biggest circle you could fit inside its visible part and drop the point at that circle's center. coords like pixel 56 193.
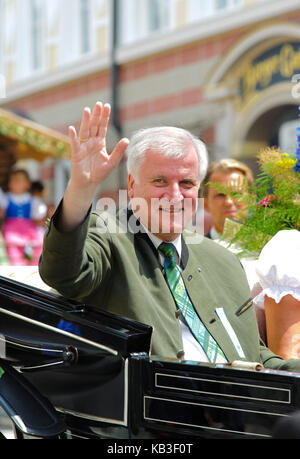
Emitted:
pixel 176 284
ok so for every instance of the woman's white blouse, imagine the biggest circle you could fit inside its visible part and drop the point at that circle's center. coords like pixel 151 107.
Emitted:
pixel 278 267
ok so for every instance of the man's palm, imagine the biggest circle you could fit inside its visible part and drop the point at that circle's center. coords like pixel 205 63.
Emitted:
pixel 91 163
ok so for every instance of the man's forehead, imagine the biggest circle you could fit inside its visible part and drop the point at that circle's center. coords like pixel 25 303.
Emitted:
pixel 188 157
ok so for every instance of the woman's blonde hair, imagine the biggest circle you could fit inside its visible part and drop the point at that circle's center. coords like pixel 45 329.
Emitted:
pixel 226 165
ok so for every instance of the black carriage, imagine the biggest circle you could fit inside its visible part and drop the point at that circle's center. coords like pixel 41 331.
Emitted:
pixel 69 371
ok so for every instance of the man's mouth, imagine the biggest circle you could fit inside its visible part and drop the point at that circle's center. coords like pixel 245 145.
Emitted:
pixel 171 210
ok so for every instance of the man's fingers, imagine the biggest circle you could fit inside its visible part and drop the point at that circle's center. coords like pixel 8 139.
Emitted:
pixel 103 122
pixel 84 131
pixel 95 119
pixel 94 124
pixel 118 152
pixel 73 139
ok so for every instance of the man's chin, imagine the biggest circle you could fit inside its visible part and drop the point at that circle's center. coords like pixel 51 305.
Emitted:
pixel 167 237
pixel 169 231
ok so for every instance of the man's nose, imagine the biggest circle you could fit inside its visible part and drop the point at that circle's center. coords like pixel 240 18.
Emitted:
pixel 174 192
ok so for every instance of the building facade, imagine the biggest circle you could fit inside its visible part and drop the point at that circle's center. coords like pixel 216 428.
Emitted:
pixel 227 70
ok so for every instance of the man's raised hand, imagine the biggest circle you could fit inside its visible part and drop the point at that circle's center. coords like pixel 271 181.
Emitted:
pixel 91 163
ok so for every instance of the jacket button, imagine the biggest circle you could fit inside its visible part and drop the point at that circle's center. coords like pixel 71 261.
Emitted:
pixel 180 354
pixel 190 277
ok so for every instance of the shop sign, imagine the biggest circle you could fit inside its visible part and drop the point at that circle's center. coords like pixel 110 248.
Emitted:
pixel 275 65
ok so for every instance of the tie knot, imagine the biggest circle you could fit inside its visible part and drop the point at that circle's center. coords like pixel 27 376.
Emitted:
pixel 168 249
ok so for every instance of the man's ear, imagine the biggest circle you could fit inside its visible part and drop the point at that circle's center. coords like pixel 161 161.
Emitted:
pixel 130 185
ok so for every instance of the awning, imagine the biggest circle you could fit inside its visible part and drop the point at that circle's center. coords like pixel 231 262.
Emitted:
pixel 31 140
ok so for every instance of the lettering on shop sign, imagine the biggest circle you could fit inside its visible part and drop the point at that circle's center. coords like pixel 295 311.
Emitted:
pixel 275 65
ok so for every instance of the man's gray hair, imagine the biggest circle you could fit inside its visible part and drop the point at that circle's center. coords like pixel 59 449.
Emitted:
pixel 170 141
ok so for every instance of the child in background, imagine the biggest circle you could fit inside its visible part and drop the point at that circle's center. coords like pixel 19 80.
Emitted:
pixel 21 211
pixel 38 190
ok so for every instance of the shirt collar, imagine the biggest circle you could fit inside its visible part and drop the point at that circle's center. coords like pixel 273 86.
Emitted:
pixel 156 241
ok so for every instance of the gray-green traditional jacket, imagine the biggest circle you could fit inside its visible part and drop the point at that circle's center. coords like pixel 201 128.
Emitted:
pixel 106 263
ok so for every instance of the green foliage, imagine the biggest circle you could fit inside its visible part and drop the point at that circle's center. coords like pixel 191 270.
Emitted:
pixel 276 206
